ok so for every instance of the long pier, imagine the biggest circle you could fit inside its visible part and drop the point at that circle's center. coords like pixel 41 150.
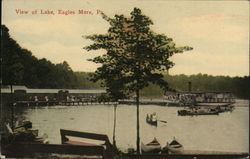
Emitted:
pixel 82 103
pixel 64 103
pixel 160 102
pixel 143 101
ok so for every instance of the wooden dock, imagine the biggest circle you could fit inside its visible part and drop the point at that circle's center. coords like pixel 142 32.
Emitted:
pixel 94 102
pixel 63 103
pixel 160 102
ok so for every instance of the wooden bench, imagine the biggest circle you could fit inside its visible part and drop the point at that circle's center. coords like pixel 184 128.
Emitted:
pixel 108 150
pixel 22 149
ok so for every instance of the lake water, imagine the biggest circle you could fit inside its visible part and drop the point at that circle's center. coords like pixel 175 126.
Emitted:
pixel 228 131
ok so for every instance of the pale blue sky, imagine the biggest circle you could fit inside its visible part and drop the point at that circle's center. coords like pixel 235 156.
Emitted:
pixel 217 30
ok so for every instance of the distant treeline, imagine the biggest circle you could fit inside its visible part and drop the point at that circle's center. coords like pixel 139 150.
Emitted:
pixel 203 82
pixel 20 67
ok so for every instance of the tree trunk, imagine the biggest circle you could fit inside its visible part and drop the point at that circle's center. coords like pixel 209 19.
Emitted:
pixel 12 107
pixel 114 142
pixel 138 123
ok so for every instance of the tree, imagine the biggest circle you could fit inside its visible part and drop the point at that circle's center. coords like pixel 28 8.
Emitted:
pixel 135 56
pixel 19 66
pixel 12 69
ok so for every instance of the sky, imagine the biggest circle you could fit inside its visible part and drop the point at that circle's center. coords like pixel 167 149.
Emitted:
pixel 217 30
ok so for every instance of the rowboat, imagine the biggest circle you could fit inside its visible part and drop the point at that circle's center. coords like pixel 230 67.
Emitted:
pixel 152 147
pixel 173 147
pixel 151 119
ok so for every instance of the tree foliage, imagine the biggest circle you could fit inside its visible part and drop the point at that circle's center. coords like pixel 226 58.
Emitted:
pixel 20 67
pixel 135 55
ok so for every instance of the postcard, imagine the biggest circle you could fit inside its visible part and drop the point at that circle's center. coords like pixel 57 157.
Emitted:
pixel 125 79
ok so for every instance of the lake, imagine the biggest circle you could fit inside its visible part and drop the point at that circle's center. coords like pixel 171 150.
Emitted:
pixel 228 131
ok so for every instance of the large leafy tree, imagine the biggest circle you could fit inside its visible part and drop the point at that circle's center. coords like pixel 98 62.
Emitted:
pixel 135 56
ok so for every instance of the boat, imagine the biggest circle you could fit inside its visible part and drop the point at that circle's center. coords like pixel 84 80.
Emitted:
pixel 152 147
pixel 23 133
pixel 214 104
pixel 198 111
pixel 151 119
pixel 174 147
pixel 201 98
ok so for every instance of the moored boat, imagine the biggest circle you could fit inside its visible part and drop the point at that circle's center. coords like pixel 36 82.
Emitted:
pixel 213 104
pixel 152 147
pixel 225 108
pixel 173 147
pixel 23 133
pixel 201 98
pixel 198 111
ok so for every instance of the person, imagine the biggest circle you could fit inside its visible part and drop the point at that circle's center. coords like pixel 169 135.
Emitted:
pixel 154 117
pixel 46 98
pixel 35 99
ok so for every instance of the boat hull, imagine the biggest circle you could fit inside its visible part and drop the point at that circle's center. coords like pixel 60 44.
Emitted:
pixel 173 149
pixel 149 121
pixel 150 148
pixel 213 104
pixel 192 113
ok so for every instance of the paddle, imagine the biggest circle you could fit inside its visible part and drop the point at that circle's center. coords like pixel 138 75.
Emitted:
pixel 162 121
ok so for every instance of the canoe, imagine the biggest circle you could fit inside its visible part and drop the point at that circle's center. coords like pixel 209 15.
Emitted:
pixel 152 147
pixel 151 119
pixel 174 147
